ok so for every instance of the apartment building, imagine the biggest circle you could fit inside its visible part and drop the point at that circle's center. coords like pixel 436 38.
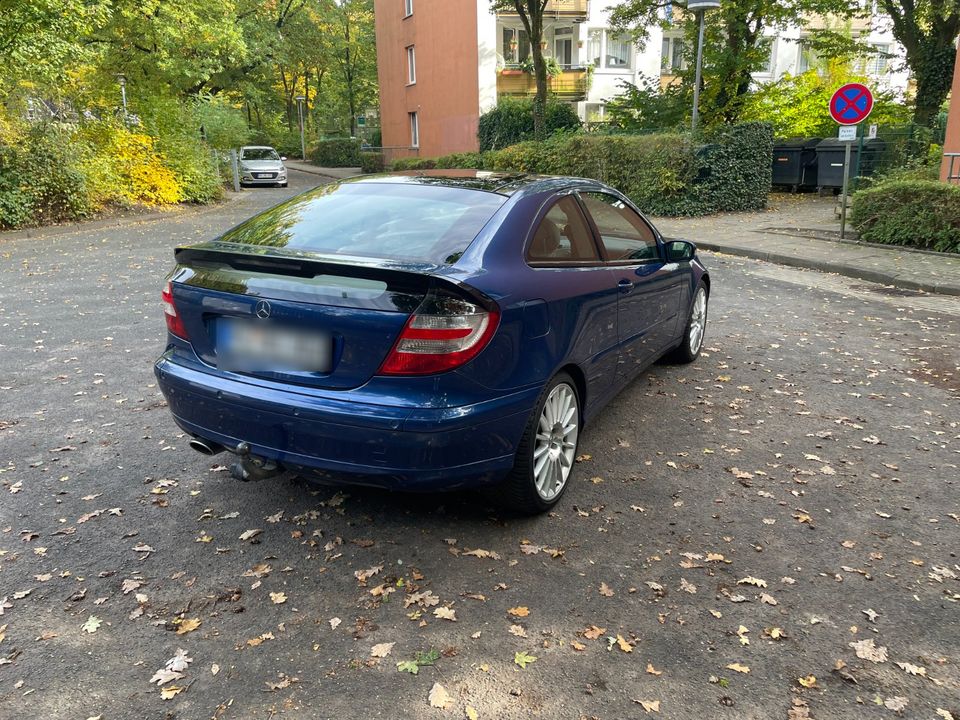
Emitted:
pixel 443 63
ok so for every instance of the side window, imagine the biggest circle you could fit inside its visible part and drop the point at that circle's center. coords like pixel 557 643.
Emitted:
pixel 563 236
pixel 624 234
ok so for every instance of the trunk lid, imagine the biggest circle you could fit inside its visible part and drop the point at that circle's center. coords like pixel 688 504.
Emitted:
pixel 361 306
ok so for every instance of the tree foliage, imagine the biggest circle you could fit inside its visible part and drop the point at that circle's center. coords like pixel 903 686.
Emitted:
pixel 735 44
pixel 928 31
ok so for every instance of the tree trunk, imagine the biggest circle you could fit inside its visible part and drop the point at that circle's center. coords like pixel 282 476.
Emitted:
pixel 531 14
pixel 933 74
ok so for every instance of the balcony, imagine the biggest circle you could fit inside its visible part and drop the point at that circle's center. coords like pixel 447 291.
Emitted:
pixel 569 85
pixel 560 9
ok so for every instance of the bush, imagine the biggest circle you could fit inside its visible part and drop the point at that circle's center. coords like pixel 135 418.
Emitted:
pixel 194 168
pixel 511 121
pixel 40 181
pixel 371 162
pixel 917 213
pixel 664 173
pixel 340 152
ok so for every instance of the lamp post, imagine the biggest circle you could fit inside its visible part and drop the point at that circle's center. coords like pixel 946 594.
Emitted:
pixel 303 147
pixel 123 94
pixel 699 9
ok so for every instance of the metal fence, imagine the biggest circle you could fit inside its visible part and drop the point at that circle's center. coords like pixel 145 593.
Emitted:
pixel 952 161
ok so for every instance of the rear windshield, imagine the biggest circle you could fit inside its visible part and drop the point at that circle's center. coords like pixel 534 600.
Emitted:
pixel 259 154
pixel 420 223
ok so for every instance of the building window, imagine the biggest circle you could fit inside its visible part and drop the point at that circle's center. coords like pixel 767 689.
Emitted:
pixel 595 47
pixel 771 63
pixel 878 61
pixel 807 59
pixel 414 130
pixel 563 46
pixel 411 66
pixel 619 52
pixel 671 57
pixel 516 45
pixel 407 8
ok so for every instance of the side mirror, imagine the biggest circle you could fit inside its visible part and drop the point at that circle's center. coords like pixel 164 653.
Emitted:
pixel 680 250
pixel 283 157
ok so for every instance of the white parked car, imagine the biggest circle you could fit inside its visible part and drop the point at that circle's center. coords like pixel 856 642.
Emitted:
pixel 262 165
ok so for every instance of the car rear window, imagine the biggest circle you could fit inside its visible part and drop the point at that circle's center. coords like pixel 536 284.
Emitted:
pixel 420 223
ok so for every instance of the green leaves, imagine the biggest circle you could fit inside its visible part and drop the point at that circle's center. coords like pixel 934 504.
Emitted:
pixel 421 659
pixel 523 659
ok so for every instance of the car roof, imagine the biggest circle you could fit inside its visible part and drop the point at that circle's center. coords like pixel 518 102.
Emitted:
pixel 503 183
pixel 257 147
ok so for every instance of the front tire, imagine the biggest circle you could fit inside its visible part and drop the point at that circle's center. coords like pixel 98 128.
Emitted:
pixel 547 450
pixel 689 349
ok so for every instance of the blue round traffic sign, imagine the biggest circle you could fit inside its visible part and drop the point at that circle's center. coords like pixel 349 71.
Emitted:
pixel 851 104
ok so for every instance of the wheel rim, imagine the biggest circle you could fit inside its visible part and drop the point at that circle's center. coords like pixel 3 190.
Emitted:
pixel 698 321
pixel 556 444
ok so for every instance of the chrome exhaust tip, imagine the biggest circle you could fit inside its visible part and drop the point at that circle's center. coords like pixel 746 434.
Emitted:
pixel 206 447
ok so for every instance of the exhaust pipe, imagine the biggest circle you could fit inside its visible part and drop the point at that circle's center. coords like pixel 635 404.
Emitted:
pixel 206 447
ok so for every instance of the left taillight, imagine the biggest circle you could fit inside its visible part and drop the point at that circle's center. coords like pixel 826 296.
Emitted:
pixel 174 321
pixel 442 335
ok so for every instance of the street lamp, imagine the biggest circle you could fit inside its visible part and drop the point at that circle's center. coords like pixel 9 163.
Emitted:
pixel 123 95
pixel 699 9
pixel 303 147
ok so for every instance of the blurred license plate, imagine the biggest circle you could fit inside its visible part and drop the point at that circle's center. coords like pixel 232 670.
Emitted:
pixel 264 175
pixel 244 346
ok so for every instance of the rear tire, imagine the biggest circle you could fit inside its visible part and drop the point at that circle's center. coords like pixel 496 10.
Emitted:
pixel 547 450
pixel 692 343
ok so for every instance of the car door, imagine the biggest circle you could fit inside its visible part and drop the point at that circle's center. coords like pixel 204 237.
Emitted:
pixel 577 297
pixel 650 289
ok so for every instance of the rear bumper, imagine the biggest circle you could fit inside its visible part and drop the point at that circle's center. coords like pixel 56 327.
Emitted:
pixel 392 446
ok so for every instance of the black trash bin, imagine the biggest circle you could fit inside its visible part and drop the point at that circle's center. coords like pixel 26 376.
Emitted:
pixel 795 162
pixel 830 160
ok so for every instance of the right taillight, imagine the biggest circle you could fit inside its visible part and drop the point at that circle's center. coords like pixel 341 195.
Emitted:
pixel 174 321
pixel 443 334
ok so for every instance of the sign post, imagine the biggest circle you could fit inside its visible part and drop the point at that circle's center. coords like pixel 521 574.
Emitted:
pixel 849 106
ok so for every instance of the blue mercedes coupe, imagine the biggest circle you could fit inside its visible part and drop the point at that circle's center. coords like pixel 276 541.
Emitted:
pixel 425 331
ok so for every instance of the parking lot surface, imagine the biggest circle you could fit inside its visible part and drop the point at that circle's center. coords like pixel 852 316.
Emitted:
pixel 771 532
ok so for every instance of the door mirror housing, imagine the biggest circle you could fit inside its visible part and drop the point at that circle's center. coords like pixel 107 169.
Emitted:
pixel 680 250
pixel 283 157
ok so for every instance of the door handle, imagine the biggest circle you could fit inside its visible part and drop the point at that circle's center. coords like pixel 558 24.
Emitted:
pixel 625 285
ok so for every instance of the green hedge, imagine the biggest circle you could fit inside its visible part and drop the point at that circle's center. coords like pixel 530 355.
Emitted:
pixel 511 121
pixel 340 152
pixel 664 174
pixel 371 162
pixel 917 213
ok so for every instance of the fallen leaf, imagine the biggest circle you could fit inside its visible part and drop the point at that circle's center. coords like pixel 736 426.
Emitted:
pixel 605 590
pixel 867 650
pixel 809 681
pixel 471 713
pixel 687 586
pixel 278 598
pixel 334 622
pixel 445 613
pixel 651 670
pixel 381 650
pixel 250 534
pixel 593 632
pixel 578 646
pixel 92 624
pixel 757 582
pixel 170 691
pixel 737 667
pixel 768 599
pixel 480 553
pixel 523 659
pixel 624 645
pixel 129 586
pixel 186 626
pixel 649 705
pixel 897 704
pixel 180 661
pixel 521 611
pixel 439 698
pixel 518 631
pixel 912 669
pixel 163 676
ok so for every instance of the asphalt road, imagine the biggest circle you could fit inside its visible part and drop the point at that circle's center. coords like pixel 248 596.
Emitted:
pixel 769 533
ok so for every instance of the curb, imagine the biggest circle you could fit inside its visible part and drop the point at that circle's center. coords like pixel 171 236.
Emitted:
pixel 827 266
pixel 314 170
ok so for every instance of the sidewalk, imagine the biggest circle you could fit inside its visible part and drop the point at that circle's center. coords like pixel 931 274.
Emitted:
pixel 335 173
pixel 801 231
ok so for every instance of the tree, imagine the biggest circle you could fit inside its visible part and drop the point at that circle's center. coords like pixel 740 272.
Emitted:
pixel 736 44
pixel 531 15
pixel 928 31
